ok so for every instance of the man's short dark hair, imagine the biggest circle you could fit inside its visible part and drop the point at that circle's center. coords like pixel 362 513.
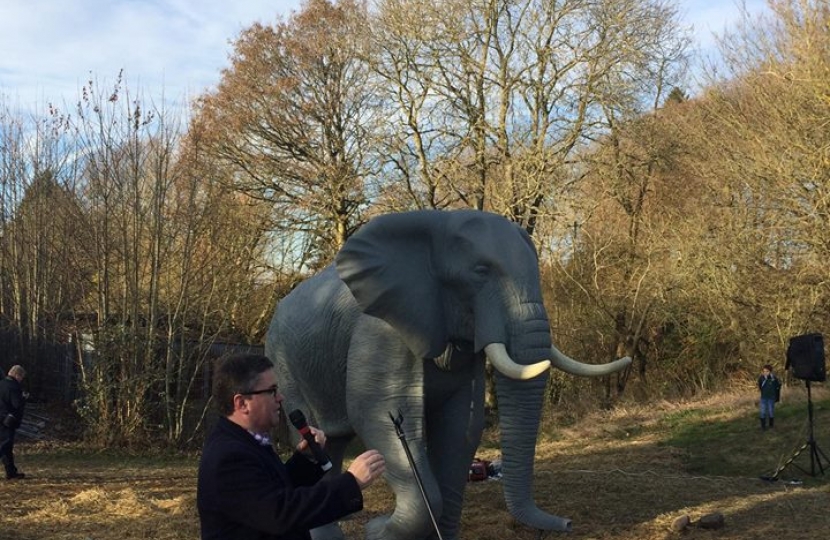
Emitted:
pixel 236 374
pixel 768 367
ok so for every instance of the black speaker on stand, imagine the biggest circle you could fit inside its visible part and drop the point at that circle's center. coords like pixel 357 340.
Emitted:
pixel 805 359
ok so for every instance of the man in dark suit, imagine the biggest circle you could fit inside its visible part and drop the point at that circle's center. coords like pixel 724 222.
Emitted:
pixel 12 403
pixel 244 490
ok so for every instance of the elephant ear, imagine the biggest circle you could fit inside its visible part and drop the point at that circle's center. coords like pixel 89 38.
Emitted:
pixel 387 265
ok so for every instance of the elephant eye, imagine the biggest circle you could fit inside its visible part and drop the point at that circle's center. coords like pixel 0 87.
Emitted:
pixel 482 270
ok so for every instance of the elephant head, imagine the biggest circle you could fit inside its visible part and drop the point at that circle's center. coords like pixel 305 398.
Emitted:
pixel 445 279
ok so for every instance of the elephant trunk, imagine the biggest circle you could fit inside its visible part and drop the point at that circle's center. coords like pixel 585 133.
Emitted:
pixel 520 410
pixel 521 380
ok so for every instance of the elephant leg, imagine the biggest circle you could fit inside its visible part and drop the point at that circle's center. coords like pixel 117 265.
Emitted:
pixel 384 378
pixel 336 449
pixel 455 421
pixel 410 519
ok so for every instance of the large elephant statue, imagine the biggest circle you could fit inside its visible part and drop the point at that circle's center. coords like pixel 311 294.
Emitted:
pixel 402 322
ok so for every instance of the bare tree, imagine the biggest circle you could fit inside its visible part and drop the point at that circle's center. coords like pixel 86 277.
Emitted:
pixel 295 117
pixel 498 97
pixel 38 262
pixel 176 260
pixel 705 225
pixel 770 145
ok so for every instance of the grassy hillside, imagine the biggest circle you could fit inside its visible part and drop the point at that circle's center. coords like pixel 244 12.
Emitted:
pixel 622 474
pixel 727 440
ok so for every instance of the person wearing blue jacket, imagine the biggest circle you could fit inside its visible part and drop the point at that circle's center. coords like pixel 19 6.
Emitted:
pixel 245 491
pixel 770 388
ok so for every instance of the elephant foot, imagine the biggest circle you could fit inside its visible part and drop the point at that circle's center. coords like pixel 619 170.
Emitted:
pixel 327 532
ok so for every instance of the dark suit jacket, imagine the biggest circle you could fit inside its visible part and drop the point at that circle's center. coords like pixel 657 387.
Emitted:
pixel 246 492
pixel 11 402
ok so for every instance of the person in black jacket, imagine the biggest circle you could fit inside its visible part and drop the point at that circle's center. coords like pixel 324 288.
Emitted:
pixel 244 490
pixel 770 389
pixel 12 403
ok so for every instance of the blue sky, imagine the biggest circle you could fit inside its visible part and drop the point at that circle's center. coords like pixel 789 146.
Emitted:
pixel 48 48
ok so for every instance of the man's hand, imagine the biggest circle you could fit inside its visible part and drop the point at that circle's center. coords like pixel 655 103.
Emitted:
pixel 367 467
pixel 319 438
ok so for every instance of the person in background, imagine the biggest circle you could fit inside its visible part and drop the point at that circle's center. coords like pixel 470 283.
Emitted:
pixel 12 403
pixel 244 489
pixel 770 388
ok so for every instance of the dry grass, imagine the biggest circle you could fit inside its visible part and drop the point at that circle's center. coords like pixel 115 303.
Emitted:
pixel 625 474
pixel 95 498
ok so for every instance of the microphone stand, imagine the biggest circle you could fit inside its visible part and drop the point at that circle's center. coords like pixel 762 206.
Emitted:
pixel 816 454
pixel 398 422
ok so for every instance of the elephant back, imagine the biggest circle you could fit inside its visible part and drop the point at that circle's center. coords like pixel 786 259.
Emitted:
pixel 308 341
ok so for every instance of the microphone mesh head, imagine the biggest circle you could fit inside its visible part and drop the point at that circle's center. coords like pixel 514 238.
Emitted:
pixel 297 418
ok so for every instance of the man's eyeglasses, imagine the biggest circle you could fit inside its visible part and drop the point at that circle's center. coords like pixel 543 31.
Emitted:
pixel 270 390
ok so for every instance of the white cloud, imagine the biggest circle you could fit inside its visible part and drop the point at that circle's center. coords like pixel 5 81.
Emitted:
pixel 49 48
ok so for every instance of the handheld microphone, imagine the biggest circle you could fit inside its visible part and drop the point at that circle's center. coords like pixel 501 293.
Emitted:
pixel 298 419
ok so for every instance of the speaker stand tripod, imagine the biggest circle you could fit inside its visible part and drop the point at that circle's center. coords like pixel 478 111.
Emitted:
pixel 816 454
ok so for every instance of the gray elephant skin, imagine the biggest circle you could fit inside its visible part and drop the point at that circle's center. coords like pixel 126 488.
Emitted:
pixel 403 321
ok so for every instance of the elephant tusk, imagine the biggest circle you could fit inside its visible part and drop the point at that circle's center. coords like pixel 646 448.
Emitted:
pixel 497 354
pixel 573 367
